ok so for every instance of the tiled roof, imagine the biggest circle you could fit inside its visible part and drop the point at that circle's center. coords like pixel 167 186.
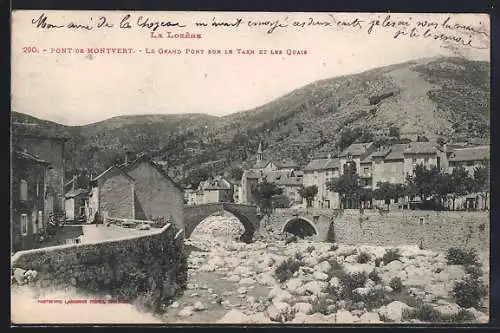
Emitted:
pixel 24 155
pixel 109 170
pixel 218 184
pixel 396 152
pixel 421 148
pixel 287 165
pixel 251 174
pixel 282 178
pixel 470 154
pixel 367 159
pixel 322 164
pixel 356 149
pixel 72 194
pixel 261 164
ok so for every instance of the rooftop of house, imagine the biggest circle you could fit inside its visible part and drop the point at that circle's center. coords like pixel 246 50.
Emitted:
pixel 109 171
pixel 25 156
pixel 421 148
pixel 356 149
pixel 322 164
pixel 261 164
pixel 478 153
pixel 282 177
pixel 217 184
pixel 76 192
pixel 396 152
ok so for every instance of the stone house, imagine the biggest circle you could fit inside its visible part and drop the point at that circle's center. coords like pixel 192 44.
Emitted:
pixel 77 205
pixel 388 165
pixel 319 172
pixel 112 194
pixel 288 181
pixel 156 194
pixel 470 158
pixel 355 153
pixel 52 150
pixel 28 189
pixel 218 190
pixel 424 153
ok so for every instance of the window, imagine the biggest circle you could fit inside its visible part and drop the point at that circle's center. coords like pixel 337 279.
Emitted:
pixel 40 219
pixel 366 170
pixel 24 224
pixel 24 190
pixel 34 222
pixel 82 211
pixel 414 159
pixel 37 189
pixel 426 160
pixel 327 173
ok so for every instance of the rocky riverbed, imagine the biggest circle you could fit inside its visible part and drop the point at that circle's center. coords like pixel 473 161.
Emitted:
pixel 276 281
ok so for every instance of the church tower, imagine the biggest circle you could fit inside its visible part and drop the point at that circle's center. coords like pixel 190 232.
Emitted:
pixel 259 152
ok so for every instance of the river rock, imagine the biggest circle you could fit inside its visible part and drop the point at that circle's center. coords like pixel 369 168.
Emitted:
pixel 370 318
pixel 320 276
pixel 278 294
pixel 294 283
pixel 186 311
pixel 303 307
pixel 242 290
pixel 174 305
pixel 234 317
pixel 266 279
pixel 323 267
pixel 199 306
pixel 315 287
pixel 393 311
pixel 345 317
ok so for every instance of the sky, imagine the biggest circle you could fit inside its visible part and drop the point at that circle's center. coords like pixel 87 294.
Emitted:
pixel 78 89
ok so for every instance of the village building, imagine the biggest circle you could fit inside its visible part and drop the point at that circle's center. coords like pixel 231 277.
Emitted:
pixel 112 194
pixel 236 191
pixel 427 154
pixel 77 206
pixel 282 173
pixel 355 153
pixel 469 157
pixel 319 172
pixel 217 190
pixel 28 189
pixel 52 150
pixel 156 194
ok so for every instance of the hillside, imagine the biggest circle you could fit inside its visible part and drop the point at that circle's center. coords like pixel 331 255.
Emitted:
pixel 441 97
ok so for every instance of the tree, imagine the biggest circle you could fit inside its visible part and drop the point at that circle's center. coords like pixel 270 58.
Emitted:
pixel 263 193
pixel 462 183
pixel 423 181
pixel 394 131
pixel 349 136
pixel 482 181
pixel 347 185
pixel 308 193
pixel 236 173
pixel 387 191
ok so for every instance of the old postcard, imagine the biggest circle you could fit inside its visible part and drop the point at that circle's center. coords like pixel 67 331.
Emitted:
pixel 249 168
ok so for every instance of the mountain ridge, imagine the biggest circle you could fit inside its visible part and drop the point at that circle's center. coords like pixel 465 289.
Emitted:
pixel 444 97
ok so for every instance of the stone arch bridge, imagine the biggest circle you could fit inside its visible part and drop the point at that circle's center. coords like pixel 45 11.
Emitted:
pixel 314 223
pixel 248 216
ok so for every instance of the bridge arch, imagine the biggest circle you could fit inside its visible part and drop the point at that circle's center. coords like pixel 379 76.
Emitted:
pixel 247 215
pixel 300 226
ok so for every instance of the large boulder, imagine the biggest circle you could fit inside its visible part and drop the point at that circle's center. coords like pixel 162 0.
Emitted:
pixel 278 294
pixel 345 317
pixel 370 318
pixel 323 267
pixel 294 283
pixel 234 317
pixel 393 311
pixel 303 307
pixel 316 287
pixel 266 279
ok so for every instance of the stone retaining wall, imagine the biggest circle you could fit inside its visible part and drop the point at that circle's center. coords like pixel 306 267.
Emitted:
pixel 435 230
pixel 124 268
